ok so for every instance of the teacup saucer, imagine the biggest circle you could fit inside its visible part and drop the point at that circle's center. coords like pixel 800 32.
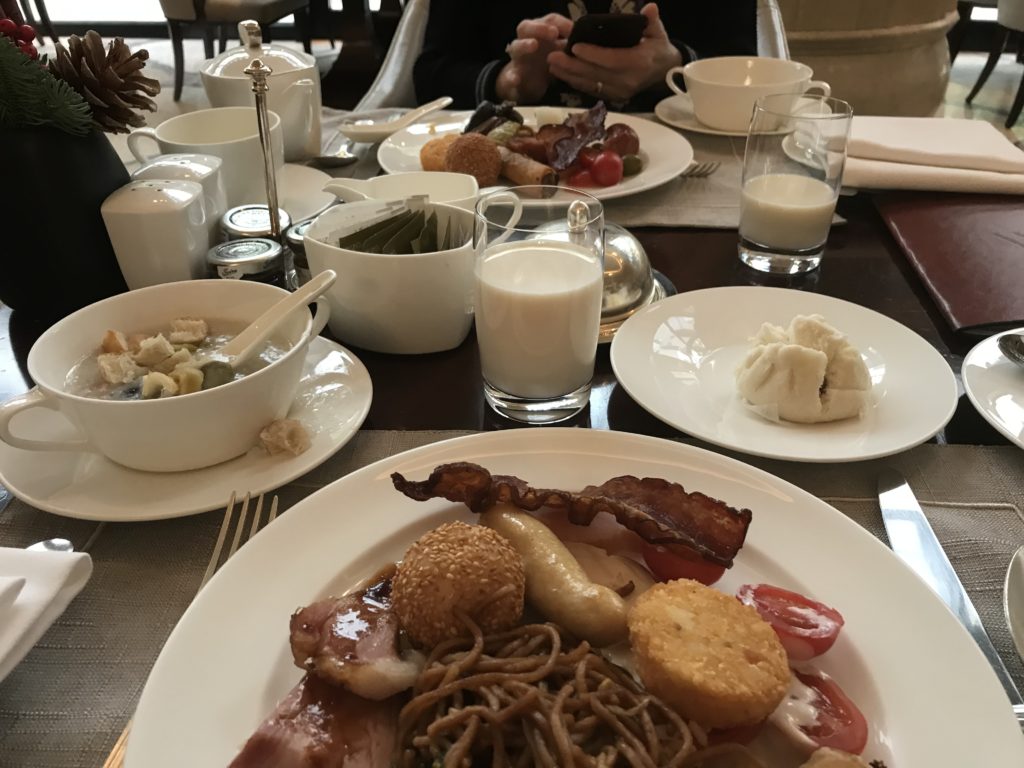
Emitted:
pixel 301 191
pixel 677 111
pixel 333 399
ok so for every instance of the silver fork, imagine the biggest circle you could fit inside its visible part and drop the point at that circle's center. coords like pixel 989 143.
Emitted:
pixel 700 170
pixel 116 757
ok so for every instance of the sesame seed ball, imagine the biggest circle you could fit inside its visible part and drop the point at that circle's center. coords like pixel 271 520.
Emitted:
pixel 457 566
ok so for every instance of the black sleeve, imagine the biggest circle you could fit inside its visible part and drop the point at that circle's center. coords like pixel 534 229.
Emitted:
pixel 463 51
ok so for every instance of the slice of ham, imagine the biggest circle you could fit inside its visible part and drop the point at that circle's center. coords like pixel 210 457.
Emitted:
pixel 659 511
pixel 318 725
pixel 352 641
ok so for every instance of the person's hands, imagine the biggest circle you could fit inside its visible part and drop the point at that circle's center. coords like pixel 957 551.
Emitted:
pixel 618 74
pixel 525 79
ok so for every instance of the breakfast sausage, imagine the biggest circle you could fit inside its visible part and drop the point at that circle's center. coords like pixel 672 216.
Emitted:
pixel 556 584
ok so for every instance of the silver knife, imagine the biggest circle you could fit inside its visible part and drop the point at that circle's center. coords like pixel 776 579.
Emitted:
pixel 914 541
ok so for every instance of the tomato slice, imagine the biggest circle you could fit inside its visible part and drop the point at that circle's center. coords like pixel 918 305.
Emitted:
pixel 805 627
pixel 840 724
pixel 680 563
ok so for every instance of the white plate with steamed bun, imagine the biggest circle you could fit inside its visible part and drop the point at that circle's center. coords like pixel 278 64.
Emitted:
pixel 678 358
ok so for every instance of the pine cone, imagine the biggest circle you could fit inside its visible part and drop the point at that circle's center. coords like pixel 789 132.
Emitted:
pixel 111 81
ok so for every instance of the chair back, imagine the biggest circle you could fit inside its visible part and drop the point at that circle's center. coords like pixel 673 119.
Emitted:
pixel 179 10
pixel 393 86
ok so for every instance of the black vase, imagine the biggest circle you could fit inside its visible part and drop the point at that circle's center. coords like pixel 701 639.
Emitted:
pixel 55 256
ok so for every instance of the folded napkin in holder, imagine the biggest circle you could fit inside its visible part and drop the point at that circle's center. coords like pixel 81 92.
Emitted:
pixel 50 580
pixel 969 252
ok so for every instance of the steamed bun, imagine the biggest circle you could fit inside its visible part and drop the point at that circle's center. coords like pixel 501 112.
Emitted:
pixel 806 373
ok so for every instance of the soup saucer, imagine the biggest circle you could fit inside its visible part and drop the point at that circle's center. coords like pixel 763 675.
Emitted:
pixel 332 401
pixel 677 111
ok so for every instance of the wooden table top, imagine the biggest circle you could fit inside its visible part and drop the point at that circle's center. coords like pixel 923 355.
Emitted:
pixel 862 264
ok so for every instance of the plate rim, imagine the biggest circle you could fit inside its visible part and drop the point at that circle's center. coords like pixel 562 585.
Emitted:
pixel 623 379
pixel 601 193
pixel 276 481
pixel 519 442
pixel 997 425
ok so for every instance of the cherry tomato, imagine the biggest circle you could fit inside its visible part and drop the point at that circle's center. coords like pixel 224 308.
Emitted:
pixel 607 169
pixel 840 724
pixel 581 179
pixel 680 563
pixel 587 156
pixel 806 627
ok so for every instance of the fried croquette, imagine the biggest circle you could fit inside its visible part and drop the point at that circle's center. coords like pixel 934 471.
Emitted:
pixel 458 567
pixel 432 153
pixel 711 658
pixel 475 154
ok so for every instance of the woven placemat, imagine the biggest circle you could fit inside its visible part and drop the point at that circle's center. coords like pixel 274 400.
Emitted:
pixel 67 702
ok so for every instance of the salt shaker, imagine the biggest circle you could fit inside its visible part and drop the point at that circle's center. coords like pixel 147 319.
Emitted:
pixel 159 230
pixel 205 169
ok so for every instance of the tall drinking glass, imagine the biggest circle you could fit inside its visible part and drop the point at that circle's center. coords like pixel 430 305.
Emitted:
pixel 539 283
pixel 792 170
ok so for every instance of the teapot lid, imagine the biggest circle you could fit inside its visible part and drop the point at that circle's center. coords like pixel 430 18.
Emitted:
pixel 232 63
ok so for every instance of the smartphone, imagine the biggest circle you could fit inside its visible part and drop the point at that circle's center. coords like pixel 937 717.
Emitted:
pixel 609 30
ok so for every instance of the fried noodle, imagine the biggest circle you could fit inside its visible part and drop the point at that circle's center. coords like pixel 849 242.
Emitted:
pixel 533 697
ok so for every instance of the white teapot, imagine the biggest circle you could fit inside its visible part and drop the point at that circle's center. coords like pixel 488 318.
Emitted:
pixel 294 88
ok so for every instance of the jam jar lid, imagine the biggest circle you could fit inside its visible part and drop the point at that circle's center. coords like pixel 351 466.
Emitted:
pixel 296 234
pixel 252 256
pixel 251 220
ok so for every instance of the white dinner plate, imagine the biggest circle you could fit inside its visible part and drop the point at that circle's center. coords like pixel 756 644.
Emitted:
pixel 902 656
pixel 332 401
pixel 678 360
pixel 300 191
pixel 995 386
pixel 677 111
pixel 665 153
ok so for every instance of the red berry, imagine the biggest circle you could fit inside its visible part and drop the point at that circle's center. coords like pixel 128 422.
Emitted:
pixel 26 33
pixel 31 52
pixel 8 28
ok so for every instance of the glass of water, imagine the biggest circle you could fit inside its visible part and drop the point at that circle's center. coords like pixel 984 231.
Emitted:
pixel 539 284
pixel 792 170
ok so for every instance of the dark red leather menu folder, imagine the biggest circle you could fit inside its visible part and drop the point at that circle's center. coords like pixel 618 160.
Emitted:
pixel 969 252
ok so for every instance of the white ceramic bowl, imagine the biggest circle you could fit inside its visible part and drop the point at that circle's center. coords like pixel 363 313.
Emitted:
pixel 724 89
pixel 399 304
pixel 175 433
pixel 458 189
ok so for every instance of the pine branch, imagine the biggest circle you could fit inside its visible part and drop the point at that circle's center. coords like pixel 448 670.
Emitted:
pixel 31 96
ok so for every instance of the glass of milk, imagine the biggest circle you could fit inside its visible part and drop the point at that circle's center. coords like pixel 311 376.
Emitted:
pixel 539 284
pixel 792 170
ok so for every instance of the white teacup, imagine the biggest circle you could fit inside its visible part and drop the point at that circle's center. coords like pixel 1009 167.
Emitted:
pixel 458 189
pixel 399 304
pixel 174 433
pixel 229 133
pixel 724 89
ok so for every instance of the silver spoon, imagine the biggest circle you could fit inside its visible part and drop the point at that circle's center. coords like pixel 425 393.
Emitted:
pixel 339 158
pixel 1013 600
pixel 52 545
pixel 1012 347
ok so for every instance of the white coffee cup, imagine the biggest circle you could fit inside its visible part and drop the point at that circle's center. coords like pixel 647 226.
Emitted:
pixel 229 133
pixel 724 89
pixel 458 189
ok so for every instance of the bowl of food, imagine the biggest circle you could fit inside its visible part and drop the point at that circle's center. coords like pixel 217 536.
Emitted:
pixel 138 375
pixel 405 273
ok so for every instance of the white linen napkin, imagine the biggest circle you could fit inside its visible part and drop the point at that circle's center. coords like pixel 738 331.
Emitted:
pixel 932 153
pixel 50 580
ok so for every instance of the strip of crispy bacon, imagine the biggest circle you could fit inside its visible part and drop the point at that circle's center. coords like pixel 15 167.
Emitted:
pixel 657 510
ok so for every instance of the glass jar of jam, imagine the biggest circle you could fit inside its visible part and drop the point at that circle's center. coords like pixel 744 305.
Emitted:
pixel 254 258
